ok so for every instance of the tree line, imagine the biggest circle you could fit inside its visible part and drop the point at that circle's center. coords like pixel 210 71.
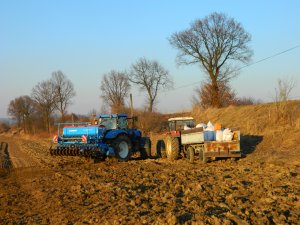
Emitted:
pixel 54 94
pixel 217 43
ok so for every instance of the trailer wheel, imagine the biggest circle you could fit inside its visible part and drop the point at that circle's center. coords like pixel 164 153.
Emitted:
pixel 122 146
pixel 202 156
pixel 145 148
pixel 172 147
pixel 190 154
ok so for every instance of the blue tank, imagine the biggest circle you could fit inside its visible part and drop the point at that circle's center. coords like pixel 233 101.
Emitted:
pixel 82 130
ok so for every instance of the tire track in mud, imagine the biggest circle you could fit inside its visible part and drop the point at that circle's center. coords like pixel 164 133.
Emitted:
pixel 13 157
pixel 4 156
pixel 21 175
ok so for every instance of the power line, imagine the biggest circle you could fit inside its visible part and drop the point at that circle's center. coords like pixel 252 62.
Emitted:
pixel 269 57
pixel 248 65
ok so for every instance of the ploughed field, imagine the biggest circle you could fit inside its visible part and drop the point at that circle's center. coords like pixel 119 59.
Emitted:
pixel 36 188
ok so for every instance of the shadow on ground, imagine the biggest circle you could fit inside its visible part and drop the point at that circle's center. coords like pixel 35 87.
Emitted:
pixel 249 143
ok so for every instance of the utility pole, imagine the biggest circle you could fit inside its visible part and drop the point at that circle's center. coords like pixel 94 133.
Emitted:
pixel 131 106
pixel 131 111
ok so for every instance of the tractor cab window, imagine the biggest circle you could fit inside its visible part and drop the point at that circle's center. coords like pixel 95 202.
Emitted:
pixel 122 123
pixel 172 125
pixel 109 123
pixel 190 123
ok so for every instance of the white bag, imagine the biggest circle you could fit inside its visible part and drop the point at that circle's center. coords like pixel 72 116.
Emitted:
pixel 219 135
pixel 203 125
pixel 210 127
pixel 227 135
pixel 185 127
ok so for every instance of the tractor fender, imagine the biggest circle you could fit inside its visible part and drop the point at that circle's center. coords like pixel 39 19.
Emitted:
pixel 134 132
pixel 114 133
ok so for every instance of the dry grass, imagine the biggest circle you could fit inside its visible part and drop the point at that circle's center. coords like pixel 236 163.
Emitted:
pixel 264 128
pixel 279 129
pixel 254 119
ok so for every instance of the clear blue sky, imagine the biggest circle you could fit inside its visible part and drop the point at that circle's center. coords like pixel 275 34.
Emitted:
pixel 86 39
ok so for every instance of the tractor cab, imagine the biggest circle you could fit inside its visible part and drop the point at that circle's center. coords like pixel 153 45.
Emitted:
pixel 113 121
pixel 177 124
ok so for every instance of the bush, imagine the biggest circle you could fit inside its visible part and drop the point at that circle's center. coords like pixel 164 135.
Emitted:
pixel 4 127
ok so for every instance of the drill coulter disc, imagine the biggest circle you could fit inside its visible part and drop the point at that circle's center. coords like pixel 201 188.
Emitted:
pixel 64 151
pixel 73 150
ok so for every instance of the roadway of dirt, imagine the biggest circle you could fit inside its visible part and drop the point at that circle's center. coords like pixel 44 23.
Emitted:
pixel 39 189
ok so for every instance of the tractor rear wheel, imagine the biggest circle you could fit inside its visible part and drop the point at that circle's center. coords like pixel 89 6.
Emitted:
pixel 161 149
pixel 122 146
pixel 145 148
pixel 172 147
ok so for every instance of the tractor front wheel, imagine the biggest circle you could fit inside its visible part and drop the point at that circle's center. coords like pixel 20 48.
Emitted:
pixel 172 147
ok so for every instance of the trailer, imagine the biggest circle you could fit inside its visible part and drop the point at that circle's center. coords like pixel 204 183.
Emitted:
pixel 197 143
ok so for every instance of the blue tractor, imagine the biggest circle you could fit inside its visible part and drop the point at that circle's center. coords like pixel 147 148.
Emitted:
pixel 108 136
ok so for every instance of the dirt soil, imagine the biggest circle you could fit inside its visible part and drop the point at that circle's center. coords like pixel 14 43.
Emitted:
pixel 36 188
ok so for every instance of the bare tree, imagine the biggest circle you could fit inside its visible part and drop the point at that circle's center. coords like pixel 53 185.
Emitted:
pixel 203 95
pixel 151 77
pixel 14 110
pixel 282 95
pixel 114 88
pixel 284 89
pixel 216 43
pixel 22 109
pixel 44 94
pixel 64 90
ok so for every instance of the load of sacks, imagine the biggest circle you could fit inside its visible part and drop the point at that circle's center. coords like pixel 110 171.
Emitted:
pixel 215 132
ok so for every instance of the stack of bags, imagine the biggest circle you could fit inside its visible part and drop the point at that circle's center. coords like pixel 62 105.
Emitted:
pixel 216 132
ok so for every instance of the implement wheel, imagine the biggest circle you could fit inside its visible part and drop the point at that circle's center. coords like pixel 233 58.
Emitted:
pixel 122 146
pixel 172 147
